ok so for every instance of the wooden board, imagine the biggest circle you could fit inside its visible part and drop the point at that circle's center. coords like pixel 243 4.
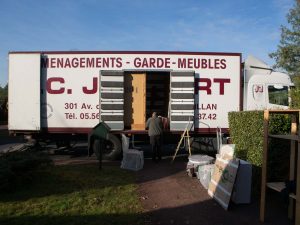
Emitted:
pixel 138 101
pixel 297 210
pixel 135 101
pixel 294 167
pixel 264 167
pixel 223 179
pixel 279 186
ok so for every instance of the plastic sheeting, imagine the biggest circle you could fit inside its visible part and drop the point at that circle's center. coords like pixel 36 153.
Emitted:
pixel 132 159
pixel 205 173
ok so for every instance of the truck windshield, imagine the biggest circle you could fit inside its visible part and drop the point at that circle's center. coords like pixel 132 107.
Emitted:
pixel 278 95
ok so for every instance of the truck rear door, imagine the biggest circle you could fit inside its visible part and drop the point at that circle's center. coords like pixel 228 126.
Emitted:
pixel 24 92
pixel 182 100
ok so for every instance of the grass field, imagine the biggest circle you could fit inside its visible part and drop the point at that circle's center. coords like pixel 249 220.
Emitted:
pixel 73 194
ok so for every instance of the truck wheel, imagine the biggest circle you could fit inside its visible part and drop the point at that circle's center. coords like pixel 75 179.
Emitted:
pixel 111 149
pixel 63 143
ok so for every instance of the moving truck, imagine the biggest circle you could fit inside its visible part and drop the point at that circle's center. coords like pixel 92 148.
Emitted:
pixel 69 92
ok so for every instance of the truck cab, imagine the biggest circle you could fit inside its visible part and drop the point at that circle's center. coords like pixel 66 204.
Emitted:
pixel 263 87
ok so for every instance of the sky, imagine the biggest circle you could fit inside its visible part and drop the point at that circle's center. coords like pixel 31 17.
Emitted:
pixel 242 26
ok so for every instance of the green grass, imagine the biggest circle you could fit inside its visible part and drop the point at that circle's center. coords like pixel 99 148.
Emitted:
pixel 74 194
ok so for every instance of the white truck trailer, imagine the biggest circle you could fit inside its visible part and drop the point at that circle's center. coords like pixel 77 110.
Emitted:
pixel 69 92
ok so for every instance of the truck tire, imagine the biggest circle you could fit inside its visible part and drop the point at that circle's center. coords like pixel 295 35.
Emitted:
pixel 111 149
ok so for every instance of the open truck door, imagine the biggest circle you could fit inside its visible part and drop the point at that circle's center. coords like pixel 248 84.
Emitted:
pixel 112 99
pixel 182 100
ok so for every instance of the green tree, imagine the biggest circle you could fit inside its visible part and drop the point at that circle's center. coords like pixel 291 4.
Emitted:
pixel 3 103
pixel 295 93
pixel 287 56
pixel 3 93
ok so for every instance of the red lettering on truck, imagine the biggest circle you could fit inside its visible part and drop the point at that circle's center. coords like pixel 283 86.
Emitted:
pixel 222 83
pixel 50 83
pixel 152 62
pixel 206 87
pixel 99 62
pixel 197 63
pixel 94 89
pixel 51 80
pixel 205 84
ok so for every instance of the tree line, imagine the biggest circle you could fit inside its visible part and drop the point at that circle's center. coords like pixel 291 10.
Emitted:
pixel 3 102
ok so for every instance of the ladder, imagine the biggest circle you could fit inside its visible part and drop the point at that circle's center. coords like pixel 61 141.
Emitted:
pixel 185 135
